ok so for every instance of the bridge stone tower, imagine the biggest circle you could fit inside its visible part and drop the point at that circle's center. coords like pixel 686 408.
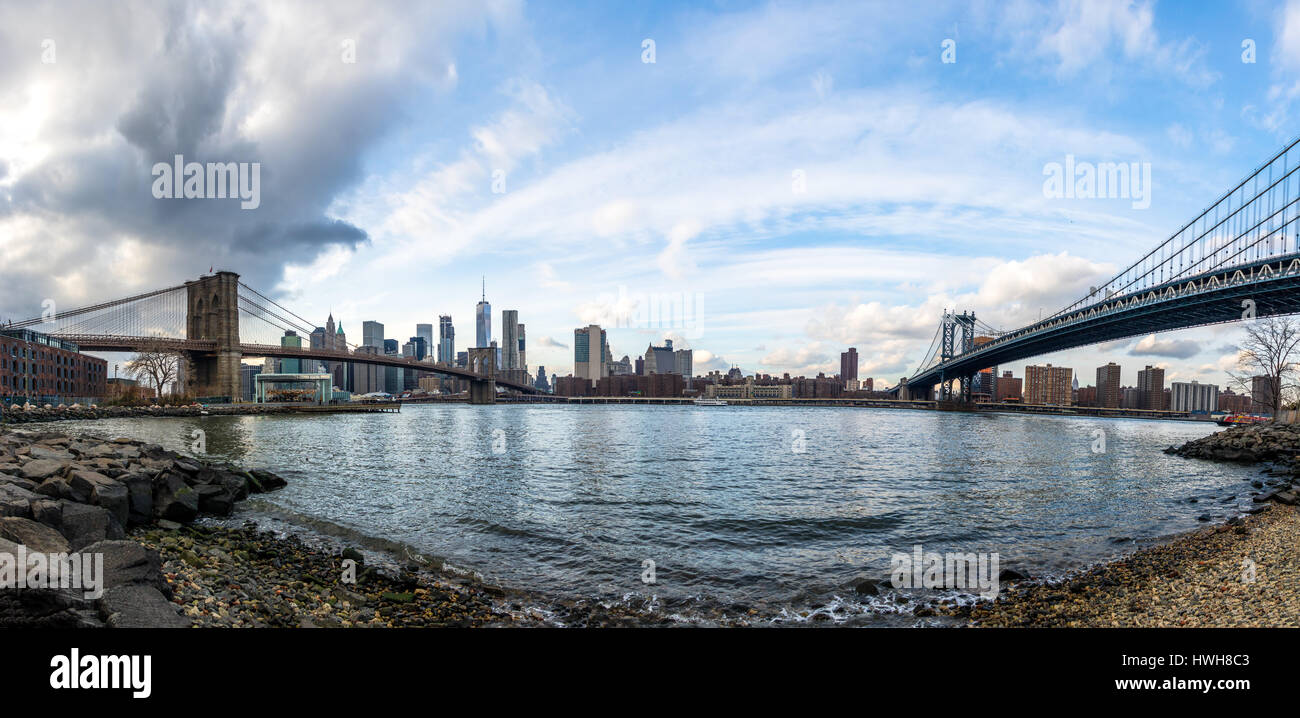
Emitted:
pixel 483 360
pixel 212 314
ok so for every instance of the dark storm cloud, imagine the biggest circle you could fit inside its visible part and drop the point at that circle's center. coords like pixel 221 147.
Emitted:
pixel 191 82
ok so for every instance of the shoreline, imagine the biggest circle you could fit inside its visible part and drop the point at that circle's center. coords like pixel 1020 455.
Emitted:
pixel 1240 572
pixel 214 573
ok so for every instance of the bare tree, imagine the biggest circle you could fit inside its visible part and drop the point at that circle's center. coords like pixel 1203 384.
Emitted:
pixel 156 364
pixel 1266 361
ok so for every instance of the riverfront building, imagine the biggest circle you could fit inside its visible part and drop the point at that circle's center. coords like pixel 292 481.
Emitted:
pixel 1048 385
pixel 37 366
pixel 849 365
pixel 589 350
pixel 509 340
pixel 1110 392
pixel 483 321
pixel 1151 388
pixel 291 340
pixel 446 340
pixel 1193 397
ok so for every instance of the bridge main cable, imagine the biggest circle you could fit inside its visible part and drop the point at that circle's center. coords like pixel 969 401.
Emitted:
pixel 95 308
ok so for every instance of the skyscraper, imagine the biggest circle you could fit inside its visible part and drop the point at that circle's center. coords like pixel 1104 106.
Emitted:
pixel 589 353
pixel 510 339
pixel 849 364
pixel 661 360
pixel 684 359
pixel 425 332
pixel 1151 388
pixel 483 321
pixel 372 335
pixel 1048 385
pixel 523 359
pixel 1109 391
pixel 393 376
pixel 446 340
pixel 291 340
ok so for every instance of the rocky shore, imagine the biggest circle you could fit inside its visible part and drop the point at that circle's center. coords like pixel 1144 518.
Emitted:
pixel 1242 573
pixel 73 499
pixel 139 507
pixel 31 414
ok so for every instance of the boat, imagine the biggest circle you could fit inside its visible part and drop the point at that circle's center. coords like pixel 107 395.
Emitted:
pixel 709 402
pixel 1235 419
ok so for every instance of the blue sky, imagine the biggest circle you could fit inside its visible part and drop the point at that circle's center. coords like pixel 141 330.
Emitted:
pixel 812 174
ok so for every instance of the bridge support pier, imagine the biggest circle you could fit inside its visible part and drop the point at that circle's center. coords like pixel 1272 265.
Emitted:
pixel 483 361
pixel 212 305
pixel 483 392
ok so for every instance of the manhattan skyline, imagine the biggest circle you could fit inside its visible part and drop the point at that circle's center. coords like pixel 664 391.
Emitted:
pixel 818 175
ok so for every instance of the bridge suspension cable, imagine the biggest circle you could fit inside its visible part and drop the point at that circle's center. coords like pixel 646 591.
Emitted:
pixel 1247 223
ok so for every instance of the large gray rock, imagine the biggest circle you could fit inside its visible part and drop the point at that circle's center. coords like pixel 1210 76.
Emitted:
pixel 16 501
pixel 35 536
pixel 57 488
pixel 42 469
pixel 83 525
pixel 139 606
pixel 17 481
pixel 215 499
pixel 48 512
pixel 139 491
pixel 174 500
pixel 129 562
pixel 45 452
pixel 104 492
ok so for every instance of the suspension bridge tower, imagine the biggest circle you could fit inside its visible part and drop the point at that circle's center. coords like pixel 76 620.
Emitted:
pixel 212 314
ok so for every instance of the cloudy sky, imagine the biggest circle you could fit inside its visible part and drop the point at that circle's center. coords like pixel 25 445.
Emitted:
pixel 807 175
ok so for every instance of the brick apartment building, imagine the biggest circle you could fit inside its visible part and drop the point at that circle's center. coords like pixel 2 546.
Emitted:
pixel 38 366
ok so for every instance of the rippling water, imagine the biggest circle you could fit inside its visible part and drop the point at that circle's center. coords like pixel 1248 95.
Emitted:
pixel 570 501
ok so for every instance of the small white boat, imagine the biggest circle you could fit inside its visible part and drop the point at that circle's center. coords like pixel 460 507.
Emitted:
pixel 709 402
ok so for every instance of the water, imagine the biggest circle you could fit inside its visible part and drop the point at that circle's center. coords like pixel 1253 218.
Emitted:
pixel 570 501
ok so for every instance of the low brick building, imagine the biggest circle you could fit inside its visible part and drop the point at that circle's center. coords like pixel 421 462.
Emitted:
pixel 40 367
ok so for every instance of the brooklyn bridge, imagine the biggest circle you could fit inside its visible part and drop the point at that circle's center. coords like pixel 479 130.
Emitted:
pixel 216 320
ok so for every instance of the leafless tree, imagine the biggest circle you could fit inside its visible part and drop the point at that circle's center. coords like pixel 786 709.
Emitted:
pixel 1266 361
pixel 155 364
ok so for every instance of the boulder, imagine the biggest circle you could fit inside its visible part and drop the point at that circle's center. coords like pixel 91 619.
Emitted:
pixel 48 512
pixel 139 606
pixel 139 491
pixel 39 451
pixel 83 525
pixel 103 491
pixel 267 480
pixel 42 469
pixel 35 536
pixel 16 501
pixel 173 499
pixel 57 488
pixel 129 562
pixel 16 481
pixel 215 499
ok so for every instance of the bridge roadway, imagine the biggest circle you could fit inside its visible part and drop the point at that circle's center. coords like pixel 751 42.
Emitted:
pixel 108 343
pixel 1210 298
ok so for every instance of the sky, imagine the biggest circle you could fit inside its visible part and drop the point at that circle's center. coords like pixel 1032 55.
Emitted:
pixel 767 183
